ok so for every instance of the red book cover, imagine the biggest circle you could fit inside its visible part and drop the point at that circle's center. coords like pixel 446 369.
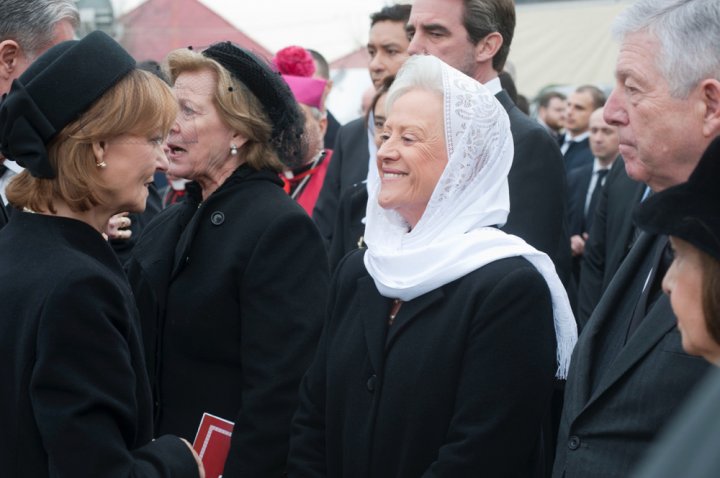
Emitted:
pixel 212 443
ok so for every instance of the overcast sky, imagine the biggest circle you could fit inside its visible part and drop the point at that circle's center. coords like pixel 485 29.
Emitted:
pixel 333 27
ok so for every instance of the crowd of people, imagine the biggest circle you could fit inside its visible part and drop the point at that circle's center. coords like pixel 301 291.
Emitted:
pixel 444 287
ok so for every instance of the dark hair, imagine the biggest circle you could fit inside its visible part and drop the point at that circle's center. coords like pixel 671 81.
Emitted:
pixel 523 104
pixel 508 85
pixel 321 64
pixel 596 93
pixel 545 98
pixel 711 294
pixel 392 13
pixel 382 90
pixel 483 17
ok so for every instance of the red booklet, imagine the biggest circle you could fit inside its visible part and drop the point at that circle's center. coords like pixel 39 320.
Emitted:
pixel 212 443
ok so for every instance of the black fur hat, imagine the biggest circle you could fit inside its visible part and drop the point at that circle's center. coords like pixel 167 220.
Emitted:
pixel 53 92
pixel 691 210
pixel 273 93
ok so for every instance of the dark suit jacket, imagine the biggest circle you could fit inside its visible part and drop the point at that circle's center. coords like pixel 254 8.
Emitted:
pixel 688 447
pixel 75 399
pixel 349 226
pixel 611 237
pixel 537 189
pixel 578 154
pixel 457 387
pixel 578 184
pixel 333 126
pixel 231 294
pixel 3 215
pixel 349 166
pixel 617 398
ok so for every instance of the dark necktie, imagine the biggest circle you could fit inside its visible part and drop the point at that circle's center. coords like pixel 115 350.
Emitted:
pixel 653 289
pixel 595 198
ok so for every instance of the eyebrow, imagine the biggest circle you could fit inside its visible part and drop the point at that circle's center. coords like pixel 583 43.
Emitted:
pixel 435 27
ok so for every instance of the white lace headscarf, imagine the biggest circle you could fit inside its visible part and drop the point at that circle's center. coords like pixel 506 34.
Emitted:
pixel 457 233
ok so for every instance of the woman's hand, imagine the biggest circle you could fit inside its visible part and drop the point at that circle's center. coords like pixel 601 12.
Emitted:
pixel 118 226
pixel 201 468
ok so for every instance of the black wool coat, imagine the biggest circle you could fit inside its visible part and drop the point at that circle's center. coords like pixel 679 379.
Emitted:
pixel 75 399
pixel 231 293
pixel 457 387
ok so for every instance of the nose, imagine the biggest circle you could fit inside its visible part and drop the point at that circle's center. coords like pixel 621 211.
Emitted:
pixel 375 63
pixel 416 47
pixel 614 113
pixel 161 161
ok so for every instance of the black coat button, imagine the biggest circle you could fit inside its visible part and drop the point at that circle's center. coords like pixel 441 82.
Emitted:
pixel 217 218
pixel 371 383
pixel 574 442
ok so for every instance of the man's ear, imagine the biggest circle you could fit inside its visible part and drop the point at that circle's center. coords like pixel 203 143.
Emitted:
pixel 488 47
pixel 10 53
pixel 710 91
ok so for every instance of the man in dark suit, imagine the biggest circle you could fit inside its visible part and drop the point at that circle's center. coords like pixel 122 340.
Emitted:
pixel 585 186
pixel 575 144
pixel 629 372
pixel 610 238
pixel 474 36
pixel 387 46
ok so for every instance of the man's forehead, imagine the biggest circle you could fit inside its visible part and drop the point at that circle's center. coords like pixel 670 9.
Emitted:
pixel 435 12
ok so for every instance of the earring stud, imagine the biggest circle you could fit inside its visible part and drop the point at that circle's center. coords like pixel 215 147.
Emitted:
pixel 233 150
pixel 101 165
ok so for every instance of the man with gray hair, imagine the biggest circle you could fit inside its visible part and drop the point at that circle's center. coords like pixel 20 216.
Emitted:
pixel 27 29
pixel 629 372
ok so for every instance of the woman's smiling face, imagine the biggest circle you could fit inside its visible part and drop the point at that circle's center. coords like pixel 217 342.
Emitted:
pixel 413 154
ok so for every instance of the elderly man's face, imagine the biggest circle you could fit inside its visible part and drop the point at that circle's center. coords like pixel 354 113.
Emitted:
pixel 661 136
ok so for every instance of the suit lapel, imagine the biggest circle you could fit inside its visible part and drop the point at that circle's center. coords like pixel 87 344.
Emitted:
pixel 374 309
pixel 586 349
pixel 658 322
pixel 409 311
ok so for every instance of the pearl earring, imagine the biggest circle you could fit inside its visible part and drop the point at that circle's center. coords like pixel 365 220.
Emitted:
pixel 233 150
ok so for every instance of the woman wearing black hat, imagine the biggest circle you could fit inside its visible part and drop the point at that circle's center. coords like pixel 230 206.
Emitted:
pixel 231 283
pixel 75 401
pixel 690 214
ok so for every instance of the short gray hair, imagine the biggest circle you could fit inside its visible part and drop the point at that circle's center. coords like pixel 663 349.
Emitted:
pixel 31 23
pixel 419 72
pixel 688 32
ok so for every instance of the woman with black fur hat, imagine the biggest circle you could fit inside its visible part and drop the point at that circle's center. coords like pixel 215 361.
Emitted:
pixel 690 214
pixel 232 282
pixel 88 128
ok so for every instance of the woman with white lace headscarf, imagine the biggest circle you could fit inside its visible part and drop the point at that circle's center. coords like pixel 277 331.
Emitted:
pixel 443 339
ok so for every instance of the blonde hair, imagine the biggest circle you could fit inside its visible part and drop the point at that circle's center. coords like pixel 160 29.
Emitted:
pixel 237 106
pixel 138 103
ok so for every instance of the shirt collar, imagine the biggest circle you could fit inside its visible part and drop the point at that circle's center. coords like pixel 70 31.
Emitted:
pixel 494 86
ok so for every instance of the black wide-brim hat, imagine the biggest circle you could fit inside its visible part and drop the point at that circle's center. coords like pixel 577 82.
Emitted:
pixel 691 210
pixel 53 92
pixel 288 121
